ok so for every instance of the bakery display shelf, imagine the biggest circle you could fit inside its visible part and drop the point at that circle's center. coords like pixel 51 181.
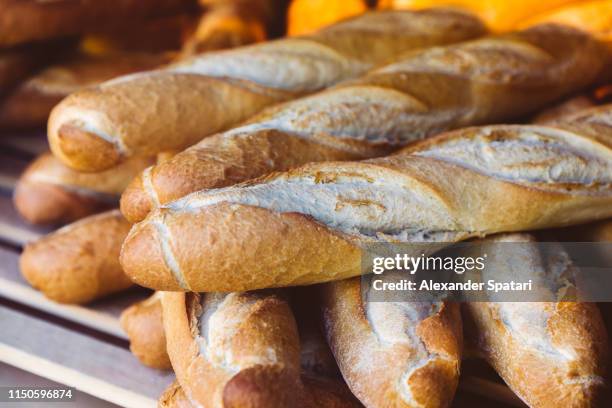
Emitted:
pixel 84 346
pixel 90 364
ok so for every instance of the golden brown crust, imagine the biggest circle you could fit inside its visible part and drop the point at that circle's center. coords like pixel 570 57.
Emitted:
pixel 187 101
pixel 249 357
pixel 34 20
pixel 389 366
pixel 73 140
pixel 488 80
pixel 288 244
pixel 549 353
pixel 29 104
pixel 78 263
pixel 51 204
pixel 220 161
pixel 50 193
pixel 306 226
pixel 174 397
pixel 145 329
pixel 542 380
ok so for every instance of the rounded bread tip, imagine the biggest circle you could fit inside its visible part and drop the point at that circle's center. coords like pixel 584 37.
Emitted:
pixel 83 150
pixel 260 386
pixel 143 261
pixel 135 203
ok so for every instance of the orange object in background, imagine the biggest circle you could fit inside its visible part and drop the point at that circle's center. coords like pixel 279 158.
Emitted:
pixel 594 17
pixel 499 15
pixel 306 16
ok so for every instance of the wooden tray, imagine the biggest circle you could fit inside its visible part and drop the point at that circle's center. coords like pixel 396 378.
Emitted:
pixel 84 347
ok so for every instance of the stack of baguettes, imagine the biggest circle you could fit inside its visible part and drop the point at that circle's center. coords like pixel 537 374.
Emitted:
pixel 271 193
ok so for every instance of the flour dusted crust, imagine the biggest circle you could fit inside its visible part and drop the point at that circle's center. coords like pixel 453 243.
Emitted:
pixel 401 354
pixel 177 106
pixel 307 225
pixel 492 79
pixel 233 349
pixel 242 349
pixel 549 354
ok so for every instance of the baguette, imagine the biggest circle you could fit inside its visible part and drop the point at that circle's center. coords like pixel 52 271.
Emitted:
pixel 393 354
pixel 34 20
pixel 487 80
pixel 242 349
pixel 29 104
pixel 233 350
pixel 79 262
pixel 551 354
pixel 144 326
pixel 50 193
pixel 175 107
pixel 308 225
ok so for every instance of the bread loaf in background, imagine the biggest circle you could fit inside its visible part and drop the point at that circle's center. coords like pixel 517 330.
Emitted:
pixel 29 104
pixel 308 225
pixel 173 108
pixel 400 354
pixel 144 326
pixel 550 354
pixel 34 20
pixel 48 192
pixel 232 23
pixel 79 262
pixel 493 79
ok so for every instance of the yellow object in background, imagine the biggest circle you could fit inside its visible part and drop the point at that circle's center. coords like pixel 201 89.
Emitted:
pixel 499 15
pixel 307 16
pixel 593 16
